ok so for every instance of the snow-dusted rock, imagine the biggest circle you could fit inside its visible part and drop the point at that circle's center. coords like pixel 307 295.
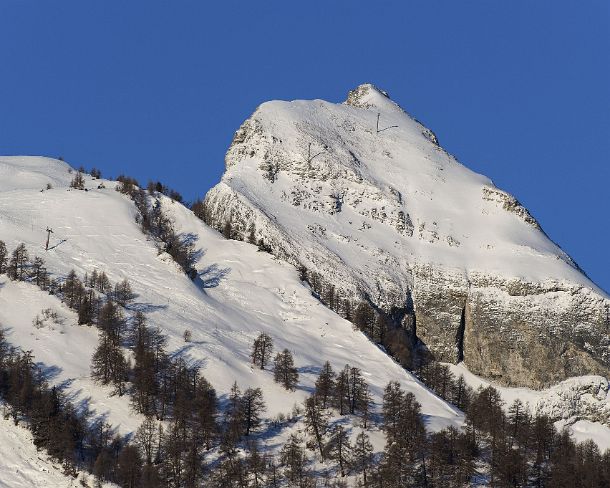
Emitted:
pixel 581 404
pixel 579 398
pixel 362 194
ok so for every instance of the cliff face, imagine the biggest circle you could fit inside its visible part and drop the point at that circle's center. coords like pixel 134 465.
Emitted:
pixel 362 198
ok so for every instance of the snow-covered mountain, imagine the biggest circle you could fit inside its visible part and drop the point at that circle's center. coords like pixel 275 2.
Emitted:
pixel 361 196
pixel 242 292
pixel 356 196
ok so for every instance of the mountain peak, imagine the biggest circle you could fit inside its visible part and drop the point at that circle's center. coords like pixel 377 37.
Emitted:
pixel 361 197
pixel 368 95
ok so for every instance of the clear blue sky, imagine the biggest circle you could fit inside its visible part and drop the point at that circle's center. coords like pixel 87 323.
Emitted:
pixel 518 90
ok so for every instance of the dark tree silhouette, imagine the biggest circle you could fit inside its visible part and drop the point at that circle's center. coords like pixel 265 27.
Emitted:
pixel 78 182
pixel 262 349
pixel 316 422
pixel 18 263
pixel 325 385
pixel 3 257
pixel 284 371
pixel 252 406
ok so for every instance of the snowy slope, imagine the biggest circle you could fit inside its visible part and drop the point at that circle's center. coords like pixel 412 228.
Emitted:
pixel 452 222
pixel 363 195
pixel 22 466
pixel 32 173
pixel 242 292
pixel 63 351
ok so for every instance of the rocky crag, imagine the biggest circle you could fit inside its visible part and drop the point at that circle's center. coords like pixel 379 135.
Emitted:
pixel 364 201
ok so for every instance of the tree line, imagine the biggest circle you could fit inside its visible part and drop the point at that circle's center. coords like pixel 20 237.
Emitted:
pixel 185 420
pixel 151 217
pixel 154 222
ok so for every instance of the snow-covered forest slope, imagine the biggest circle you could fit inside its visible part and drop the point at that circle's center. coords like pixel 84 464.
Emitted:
pixel 23 466
pixel 239 293
pixel 211 316
pixel 363 199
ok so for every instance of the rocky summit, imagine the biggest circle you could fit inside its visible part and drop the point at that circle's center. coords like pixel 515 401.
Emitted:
pixel 362 198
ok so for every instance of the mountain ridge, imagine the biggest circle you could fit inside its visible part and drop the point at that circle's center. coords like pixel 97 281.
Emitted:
pixel 361 195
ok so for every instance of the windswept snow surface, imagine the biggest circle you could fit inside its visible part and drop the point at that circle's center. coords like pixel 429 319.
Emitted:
pixel 32 173
pixel 240 293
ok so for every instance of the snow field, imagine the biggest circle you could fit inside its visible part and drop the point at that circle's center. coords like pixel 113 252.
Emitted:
pixel 254 293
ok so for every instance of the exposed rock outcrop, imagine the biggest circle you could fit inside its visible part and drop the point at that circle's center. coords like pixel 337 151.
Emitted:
pixel 577 398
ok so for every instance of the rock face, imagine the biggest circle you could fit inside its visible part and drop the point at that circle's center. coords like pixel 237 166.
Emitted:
pixel 361 197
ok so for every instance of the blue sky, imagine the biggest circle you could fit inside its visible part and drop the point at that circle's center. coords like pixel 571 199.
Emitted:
pixel 519 91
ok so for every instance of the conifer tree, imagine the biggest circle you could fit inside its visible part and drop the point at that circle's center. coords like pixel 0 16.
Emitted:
pixel 85 310
pixel 108 364
pixel 325 385
pixel 174 456
pixel 380 328
pixel 292 457
pixel 102 283
pixel 92 279
pixel 150 477
pixel 146 439
pixel 193 461
pixel 129 467
pixel 362 456
pixel 123 294
pixel 198 209
pixel 485 413
pixel 518 420
pixel 111 322
pixel 252 406
pixel 341 397
pixel 233 421
pixel 78 182
pixel 339 448
pixel 284 370
pixel 543 438
pixel 148 359
pixel 39 273
pixel 3 257
pixel 461 393
pixel 18 263
pixel 72 290
pixel 205 408
pixel 393 398
pixel 364 403
pixel 364 319
pixel 358 393
pixel 451 460
pixel 406 442
pixel 102 468
pixel 316 422
pixel 262 349
pixel 256 466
